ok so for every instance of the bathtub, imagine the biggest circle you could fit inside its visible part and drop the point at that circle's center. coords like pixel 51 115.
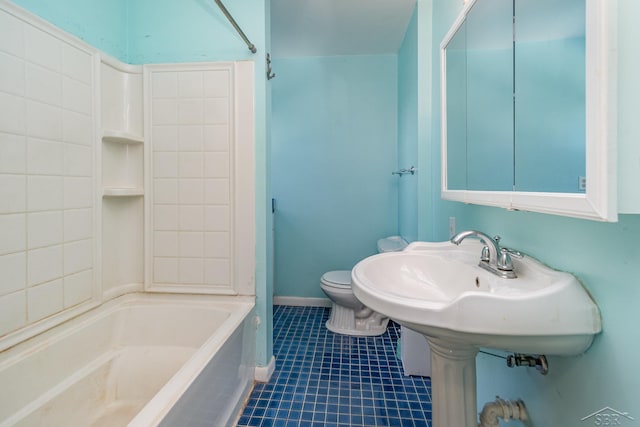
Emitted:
pixel 137 360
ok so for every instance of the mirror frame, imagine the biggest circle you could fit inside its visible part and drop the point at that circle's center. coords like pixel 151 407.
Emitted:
pixel 599 201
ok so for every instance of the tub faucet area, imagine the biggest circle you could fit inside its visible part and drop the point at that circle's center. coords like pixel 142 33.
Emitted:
pixel 493 258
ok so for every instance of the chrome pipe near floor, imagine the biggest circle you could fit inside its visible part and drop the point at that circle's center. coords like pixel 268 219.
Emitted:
pixel 507 410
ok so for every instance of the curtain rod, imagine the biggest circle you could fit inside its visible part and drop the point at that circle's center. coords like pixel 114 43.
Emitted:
pixel 233 22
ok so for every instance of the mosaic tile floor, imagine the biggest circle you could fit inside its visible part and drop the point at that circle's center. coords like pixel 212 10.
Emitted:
pixel 326 379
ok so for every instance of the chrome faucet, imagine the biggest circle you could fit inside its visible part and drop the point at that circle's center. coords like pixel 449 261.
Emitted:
pixel 493 258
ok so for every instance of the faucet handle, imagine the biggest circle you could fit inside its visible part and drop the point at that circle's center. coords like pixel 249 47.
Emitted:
pixel 484 256
pixel 504 260
pixel 514 253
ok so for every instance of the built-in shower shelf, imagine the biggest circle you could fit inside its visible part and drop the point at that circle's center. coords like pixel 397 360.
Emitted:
pixel 122 192
pixel 110 135
pixel 122 181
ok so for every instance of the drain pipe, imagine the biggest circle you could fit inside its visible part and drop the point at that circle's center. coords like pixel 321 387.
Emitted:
pixel 507 410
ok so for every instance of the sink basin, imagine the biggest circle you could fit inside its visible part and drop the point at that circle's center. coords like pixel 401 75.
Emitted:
pixel 439 290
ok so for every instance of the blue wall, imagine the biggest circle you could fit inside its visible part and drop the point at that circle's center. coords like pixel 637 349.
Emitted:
pixel 334 147
pixel 192 30
pixel 154 31
pixel 604 256
pixel 408 131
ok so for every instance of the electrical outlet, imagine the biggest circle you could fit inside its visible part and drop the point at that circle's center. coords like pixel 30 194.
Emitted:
pixel 452 226
pixel 582 183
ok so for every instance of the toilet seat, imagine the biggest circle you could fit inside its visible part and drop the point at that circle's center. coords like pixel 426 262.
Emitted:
pixel 337 279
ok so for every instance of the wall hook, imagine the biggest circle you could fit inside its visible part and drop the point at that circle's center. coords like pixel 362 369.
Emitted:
pixel 270 74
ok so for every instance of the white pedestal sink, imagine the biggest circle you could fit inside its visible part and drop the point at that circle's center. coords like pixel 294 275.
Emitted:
pixel 438 289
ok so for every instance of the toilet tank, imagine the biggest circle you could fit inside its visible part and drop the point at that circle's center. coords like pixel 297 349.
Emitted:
pixel 413 347
pixel 391 244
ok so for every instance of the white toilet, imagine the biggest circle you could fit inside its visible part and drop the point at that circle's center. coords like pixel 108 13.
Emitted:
pixel 348 315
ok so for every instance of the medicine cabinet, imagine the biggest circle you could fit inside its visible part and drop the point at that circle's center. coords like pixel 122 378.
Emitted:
pixel 528 107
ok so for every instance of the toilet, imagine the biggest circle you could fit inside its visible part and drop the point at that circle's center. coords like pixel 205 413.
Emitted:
pixel 348 315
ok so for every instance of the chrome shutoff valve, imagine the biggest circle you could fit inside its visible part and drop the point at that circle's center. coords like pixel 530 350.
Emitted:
pixel 539 362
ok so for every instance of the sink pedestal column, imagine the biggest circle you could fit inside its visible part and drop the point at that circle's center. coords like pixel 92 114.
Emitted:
pixel 453 384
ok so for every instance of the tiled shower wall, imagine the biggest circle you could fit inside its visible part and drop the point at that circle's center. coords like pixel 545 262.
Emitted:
pixel 192 166
pixel 46 173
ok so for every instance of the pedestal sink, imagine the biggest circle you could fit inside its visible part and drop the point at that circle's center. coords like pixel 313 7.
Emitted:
pixel 439 290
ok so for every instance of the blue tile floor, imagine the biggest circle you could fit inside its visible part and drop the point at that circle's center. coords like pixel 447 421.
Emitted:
pixel 327 379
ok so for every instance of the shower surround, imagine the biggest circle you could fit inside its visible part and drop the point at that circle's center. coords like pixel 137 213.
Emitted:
pixel 116 182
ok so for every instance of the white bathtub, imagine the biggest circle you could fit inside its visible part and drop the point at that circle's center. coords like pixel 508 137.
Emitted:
pixel 138 360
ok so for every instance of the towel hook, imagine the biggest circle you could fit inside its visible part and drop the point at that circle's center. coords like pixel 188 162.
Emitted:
pixel 270 73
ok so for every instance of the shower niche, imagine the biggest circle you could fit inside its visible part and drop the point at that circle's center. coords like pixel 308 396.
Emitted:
pixel 122 129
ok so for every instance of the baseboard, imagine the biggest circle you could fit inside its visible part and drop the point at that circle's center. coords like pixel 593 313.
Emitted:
pixel 302 301
pixel 263 373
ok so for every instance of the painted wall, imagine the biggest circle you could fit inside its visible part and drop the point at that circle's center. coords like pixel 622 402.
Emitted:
pixel 192 30
pixel 334 146
pixel 408 131
pixel 148 31
pixel 628 123
pixel 604 256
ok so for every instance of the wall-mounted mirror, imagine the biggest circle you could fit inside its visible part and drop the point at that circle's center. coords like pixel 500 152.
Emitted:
pixel 528 108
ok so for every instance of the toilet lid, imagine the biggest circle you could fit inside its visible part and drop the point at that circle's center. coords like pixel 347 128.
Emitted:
pixel 337 278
